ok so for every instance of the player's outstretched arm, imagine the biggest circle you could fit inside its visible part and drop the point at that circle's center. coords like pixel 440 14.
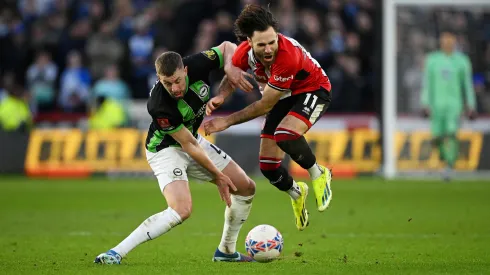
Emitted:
pixel 190 145
pixel 261 107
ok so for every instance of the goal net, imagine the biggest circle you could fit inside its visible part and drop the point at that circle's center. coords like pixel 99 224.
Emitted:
pixel 411 30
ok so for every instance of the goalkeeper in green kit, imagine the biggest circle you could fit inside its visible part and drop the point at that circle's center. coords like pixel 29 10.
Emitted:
pixel 447 88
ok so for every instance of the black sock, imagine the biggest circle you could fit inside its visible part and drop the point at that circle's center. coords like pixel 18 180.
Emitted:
pixel 276 174
pixel 295 146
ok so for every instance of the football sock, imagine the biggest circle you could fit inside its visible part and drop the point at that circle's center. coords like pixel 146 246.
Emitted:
pixel 315 171
pixel 235 216
pixel 294 192
pixel 150 229
pixel 278 176
pixel 296 146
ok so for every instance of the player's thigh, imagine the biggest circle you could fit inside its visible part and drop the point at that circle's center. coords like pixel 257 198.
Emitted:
pixel 170 168
pixel 306 111
pixel 275 116
pixel 268 146
pixel 437 125
pixel 168 165
pixel 452 123
pixel 219 158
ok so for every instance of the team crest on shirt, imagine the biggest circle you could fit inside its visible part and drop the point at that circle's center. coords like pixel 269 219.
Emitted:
pixel 209 54
pixel 203 91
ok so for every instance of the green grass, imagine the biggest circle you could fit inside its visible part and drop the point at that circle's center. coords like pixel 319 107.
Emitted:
pixel 372 227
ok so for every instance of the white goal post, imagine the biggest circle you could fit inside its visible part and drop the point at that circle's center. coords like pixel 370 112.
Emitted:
pixel 389 92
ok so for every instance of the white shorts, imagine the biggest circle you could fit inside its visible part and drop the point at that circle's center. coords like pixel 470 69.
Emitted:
pixel 171 163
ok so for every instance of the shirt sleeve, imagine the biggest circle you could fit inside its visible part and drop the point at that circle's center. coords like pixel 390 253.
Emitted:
pixel 282 75
pixel 468 84
pixel 240 57
pixel 207 60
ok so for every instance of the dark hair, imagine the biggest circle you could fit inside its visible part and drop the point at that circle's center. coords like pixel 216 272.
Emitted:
pixel 168 62
pixel 253 18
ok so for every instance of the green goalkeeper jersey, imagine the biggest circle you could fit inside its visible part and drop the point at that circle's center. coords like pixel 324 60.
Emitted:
pixel 446 78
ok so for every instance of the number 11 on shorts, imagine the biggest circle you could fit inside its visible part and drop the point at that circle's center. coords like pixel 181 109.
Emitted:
pixel 308 98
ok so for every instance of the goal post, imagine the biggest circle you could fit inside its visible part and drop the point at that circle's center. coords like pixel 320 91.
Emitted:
pixel 390 67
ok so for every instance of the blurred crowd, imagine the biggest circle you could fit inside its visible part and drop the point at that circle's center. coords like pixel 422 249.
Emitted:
pixel 75 57
pixel 418 30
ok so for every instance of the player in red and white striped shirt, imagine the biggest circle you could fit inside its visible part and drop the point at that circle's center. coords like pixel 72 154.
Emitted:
pixel 296 92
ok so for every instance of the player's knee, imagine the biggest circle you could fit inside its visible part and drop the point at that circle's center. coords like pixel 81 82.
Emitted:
pixel 251 187
pixel 285 138
pixel 184 209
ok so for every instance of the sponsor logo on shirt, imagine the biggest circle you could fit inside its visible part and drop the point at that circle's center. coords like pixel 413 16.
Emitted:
pixel 283 79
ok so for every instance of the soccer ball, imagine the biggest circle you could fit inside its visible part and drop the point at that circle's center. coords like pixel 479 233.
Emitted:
pixel 264 243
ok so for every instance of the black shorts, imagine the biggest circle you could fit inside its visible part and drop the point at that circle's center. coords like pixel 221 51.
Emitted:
pixel 308 107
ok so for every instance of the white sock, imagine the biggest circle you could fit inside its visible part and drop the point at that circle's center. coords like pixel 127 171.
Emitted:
pixel 235 216
pixel 294 192
pixel 315 171
pixel 150 229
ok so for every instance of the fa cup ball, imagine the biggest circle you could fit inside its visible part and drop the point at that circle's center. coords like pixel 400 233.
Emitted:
pixel 264 243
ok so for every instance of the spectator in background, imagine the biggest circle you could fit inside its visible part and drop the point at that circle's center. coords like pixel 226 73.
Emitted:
pixel 127 33
pixel 53 28
pixel 483 97
pixel 111 86
pixel 335 37
pixel 75 38
pixel 14 109
pixel 74 85
pixel 41 77
pixel 287 17
pixel 103 49
pixel 96 13
pixel 205 37
pixel 123 15
pixel 224 28
pixel 141 46
pixel 109 114
pixel 14 52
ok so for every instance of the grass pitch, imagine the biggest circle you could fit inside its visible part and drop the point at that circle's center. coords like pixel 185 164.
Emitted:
pixel 371 227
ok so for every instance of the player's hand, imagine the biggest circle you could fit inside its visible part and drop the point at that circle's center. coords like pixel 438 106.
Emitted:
pixel 425 112
pixel 223 182
pixel 237 78
pixel 471 115
pixel 213 104
pixel 215 125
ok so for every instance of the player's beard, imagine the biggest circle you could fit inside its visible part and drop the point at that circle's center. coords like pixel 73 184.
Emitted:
pixel 267 59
